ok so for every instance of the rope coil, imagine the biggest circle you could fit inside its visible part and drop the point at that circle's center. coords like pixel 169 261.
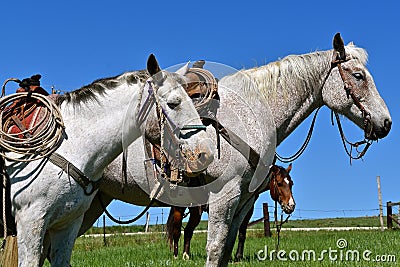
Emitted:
pixel 48 131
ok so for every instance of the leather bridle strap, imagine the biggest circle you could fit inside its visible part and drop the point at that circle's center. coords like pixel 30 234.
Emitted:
pixel 355 145
pixel 303 146
pixel 349 88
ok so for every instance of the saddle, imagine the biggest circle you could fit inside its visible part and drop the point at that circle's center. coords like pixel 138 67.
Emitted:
pixel 202 88
pixel 20 117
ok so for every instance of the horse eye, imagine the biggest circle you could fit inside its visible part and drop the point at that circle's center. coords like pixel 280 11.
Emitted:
pixel 159 79
pixel 358 76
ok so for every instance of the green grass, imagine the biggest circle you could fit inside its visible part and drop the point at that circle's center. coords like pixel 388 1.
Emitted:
pixel 152 249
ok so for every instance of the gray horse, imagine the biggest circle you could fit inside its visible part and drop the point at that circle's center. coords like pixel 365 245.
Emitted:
pixel 289 90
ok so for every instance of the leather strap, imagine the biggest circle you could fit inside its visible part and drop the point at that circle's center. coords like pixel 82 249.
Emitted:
pixel 88 185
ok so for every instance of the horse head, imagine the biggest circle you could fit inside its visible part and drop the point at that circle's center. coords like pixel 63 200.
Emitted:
pixel 280 188
pixel 359 101
pixel 184 140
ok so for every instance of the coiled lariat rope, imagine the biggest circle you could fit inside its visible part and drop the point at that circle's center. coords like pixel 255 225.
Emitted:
pixel 48 131
pixel 32 143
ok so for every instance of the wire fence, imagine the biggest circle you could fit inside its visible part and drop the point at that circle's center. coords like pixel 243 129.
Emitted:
pixel 159 216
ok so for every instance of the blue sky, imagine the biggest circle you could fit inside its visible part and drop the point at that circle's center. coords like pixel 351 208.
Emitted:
pixel 72 43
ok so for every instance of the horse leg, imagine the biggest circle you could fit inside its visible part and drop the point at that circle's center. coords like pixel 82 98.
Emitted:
pixel 31 231
pixel 222 208
pixel 174 226
pixel 46 249
pixel 194 220
pixel 91 215
pixel 62 243
pixel 242 234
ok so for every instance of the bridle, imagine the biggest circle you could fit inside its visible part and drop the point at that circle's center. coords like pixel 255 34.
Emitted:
pixel 278 224
pixel 349 88
pixel 166 126
pixel 170 135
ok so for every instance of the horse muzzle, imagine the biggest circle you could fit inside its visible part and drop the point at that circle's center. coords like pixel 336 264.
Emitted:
pixel 197 159
pixel 289 207
pixel 373 132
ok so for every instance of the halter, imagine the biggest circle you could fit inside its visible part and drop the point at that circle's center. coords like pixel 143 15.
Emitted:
pixel 168 127
pixel 349 88
pixel 280 223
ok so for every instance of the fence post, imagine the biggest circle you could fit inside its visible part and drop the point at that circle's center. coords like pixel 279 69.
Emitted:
pixel 378 181
pixel 146 229
pixel 267 229
pixel 389 215
pixel 162 220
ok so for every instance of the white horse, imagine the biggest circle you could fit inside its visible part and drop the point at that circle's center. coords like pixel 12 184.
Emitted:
pixel 48 205
pixel 290 90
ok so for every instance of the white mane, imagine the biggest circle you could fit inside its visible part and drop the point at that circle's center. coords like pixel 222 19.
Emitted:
pixel 297 72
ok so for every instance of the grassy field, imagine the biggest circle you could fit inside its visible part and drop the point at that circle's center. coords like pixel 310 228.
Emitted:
pixel 314 248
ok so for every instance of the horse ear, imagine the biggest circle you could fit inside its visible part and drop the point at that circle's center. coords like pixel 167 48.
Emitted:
pixel 182 71
pixel 288 169
pixel 152 65
pixel 338 46
pixel 274 169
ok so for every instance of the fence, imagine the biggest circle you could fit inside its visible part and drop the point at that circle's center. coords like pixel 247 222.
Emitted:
pixel 158 216
pixel 389 214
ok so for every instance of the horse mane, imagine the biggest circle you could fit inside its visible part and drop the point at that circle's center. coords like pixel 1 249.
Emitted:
pixel 270 78
pixel 97 88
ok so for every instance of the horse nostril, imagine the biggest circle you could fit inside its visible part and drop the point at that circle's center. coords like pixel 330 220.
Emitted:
pixel 387 125
pixel 202 157
pixel 172 105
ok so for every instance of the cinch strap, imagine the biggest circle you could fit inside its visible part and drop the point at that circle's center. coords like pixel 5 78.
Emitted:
pixel 73 171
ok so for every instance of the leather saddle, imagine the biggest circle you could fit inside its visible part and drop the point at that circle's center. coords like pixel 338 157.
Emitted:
pixel 20 117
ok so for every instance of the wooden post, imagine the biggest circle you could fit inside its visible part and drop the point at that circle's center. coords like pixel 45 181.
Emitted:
pixel 378 180
pixel 147 222
pixel 162 220
pixel 267 229
pixel 389 215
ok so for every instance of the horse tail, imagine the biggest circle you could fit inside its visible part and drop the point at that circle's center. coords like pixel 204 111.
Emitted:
pixel 169 228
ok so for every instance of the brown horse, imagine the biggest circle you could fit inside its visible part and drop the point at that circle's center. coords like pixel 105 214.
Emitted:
pixel 280 187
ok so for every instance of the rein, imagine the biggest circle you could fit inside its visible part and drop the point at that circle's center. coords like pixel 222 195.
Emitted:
pixel 303 146
pixel 279 224
pixel 355 145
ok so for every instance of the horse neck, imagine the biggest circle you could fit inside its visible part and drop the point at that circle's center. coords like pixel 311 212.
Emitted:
pixel 292 87
pixel 94 129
